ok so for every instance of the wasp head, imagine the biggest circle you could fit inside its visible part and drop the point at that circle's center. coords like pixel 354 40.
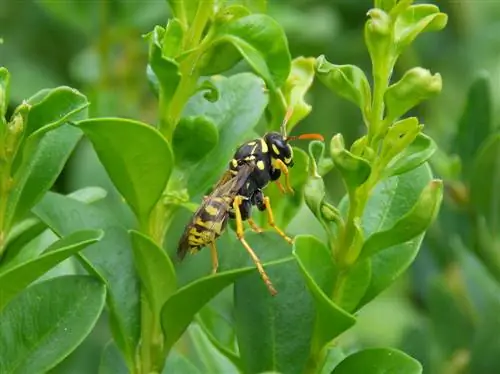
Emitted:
pixel 279 147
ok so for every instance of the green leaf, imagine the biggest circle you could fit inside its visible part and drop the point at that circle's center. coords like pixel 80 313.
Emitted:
pixel 17 278
pixel 418 152
pixel 412 224
pixel 155 270
pixel 475 124
pixel 378 39
pixel 194 137
pixel 4 96
pixel 46 323
pixel 484 182
pixel 262 43
pixel 166 76
pixel 385 5
pixel 296 87
pixel 137 158
pixel 392 199
pixel 347 81
pixel 415 20
pixel 177 363
pixel 180 309
pixel 38 173
pixel 234 119
pixel 172 39
pixel 317 267
pixel 379 361
pixel 185 10
pixel 354 169
pixel 111 259
pixel 51 108
pixel 111 361
pixel 274 333
pixel 416 85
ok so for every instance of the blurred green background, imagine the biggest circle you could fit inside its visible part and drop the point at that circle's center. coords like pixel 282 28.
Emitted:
pixel 98 48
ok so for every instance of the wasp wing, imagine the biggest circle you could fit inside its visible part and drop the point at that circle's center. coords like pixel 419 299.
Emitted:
pixel 224 192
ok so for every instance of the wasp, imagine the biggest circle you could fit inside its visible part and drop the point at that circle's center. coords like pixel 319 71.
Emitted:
pixel 254 165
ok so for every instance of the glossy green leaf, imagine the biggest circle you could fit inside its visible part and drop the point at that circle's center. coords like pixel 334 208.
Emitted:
pixel 19 277
pixel 415 20
pixel 418 152
pixel 194 137
pixel 416 85
pixel 136 156
pixel 484 182
pixel 4 96
pixel 262 43
pixel 412 224
pixel 155 270
pixel 51 108
pixel 182 306
pixel 475 124
pixel 379 361
pixel 234 119
pixel 317 267
pixel 111 361
pixel 111 259
pixel 354 169
pixel 39 172
pixel 274 333
pixel 43 325
pixel 296 87
pixel 348 81
pixel 392 199
pixel 164 71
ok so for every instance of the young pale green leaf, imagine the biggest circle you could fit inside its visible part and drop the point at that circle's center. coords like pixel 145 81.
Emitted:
pixel 392 199
pixel 17 278
pixel 399 136
pixel 418 152
pixel 111 361
pixel 475 124
pixel 350 289
pixel 296 87
pixel 39 172
pixel 484 182
pixel 379 361
pixel 274 333
pixel 194 137
pixel 4 96
pixel 111 259
pixel 165 71
pixel 354 169
pixel 137 158
pixel 43 325
pixel 234 119
pixel 348 81
pixel 211 93
pixel 180 309
pixel 412 224
pixel 379 39
pixel 262 43
pixel 416 85
pixel 52 108
pixel 178 363
pixel 155 270
pixel 172 39
pixel 319 271
pixel 415 20
pixel 184 10
pixel 385 5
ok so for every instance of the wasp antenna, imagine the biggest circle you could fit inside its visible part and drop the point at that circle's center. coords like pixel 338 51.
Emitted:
pixel 307 136
pixel 288 115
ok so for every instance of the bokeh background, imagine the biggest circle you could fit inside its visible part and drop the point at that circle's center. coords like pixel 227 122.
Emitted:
pixel 98 48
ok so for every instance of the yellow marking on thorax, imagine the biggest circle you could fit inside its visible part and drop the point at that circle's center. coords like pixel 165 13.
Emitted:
pixel 211 210
pixel 263 145
pixel 260 165
pixel 251 143
pixel 275 149
pixel 234 162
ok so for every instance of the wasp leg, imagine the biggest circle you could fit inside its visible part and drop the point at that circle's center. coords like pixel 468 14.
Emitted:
pixel 284 169
pixel 215 258
pixel 280 187
pixel 270 218
pixel 254 226
pixel 239 233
